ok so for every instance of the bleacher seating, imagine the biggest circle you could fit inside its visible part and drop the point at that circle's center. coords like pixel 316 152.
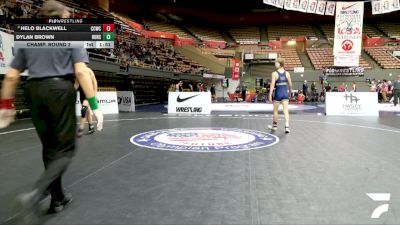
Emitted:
pixel 323 57
pixel 370 31
pixel 290 56
pixel 328 29
pixel 165 27
pixel 391 29
pixel 206 34
pixel 275 32
pixel 384 58
pixel 219 53
pixel 246 35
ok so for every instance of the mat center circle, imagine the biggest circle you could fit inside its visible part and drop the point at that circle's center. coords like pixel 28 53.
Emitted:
pixel 204 139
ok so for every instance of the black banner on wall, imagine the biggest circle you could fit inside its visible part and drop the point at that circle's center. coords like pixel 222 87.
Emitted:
pixel 343 71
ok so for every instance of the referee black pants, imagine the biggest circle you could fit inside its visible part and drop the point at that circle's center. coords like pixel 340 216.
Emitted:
pixel 396 95
pixel 53 115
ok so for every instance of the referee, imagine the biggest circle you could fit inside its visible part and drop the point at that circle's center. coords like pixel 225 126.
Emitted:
pixel 51 88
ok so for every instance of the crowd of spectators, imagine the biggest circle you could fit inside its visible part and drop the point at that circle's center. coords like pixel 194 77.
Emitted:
pixel 18 10
pixel 151 54
pixel 383 87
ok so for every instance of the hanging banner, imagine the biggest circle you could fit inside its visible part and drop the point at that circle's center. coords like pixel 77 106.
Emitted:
pixel 321 8
pixel 343 71
pixel 288 5
pixel 330 8
pixel 376 7
pixel 346 60
pixel 348 31
pixel 312 6
pixel 386 6
pixel 279 3
pixel 236 69
pixel 295 5
pixel 395 5
pixel 303 6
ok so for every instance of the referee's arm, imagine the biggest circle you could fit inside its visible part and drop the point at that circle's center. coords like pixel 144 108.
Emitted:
pixel 10 83
pixel 82 72
pixel 11 79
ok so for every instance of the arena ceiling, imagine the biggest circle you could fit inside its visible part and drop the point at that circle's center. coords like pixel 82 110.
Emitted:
pixel 225 12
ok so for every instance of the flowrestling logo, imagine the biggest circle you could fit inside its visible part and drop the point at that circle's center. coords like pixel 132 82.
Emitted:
pixel 204 139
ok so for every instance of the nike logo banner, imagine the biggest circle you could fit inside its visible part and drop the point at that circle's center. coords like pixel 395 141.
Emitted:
pixel 184 99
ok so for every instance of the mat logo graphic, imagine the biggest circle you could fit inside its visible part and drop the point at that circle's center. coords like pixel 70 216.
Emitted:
pixel 204 139
pixel 376 214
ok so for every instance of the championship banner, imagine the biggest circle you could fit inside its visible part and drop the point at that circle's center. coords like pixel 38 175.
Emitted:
pixel 330 8
pixel 376 7
pixel 236 69
pixel 279 3
pixel 321 8
pixel 346 60
pixel 312 6
pixel 288 4
pixel 348 30
pixel 295 5
pixel 344 71
pixel 303 6
pixel 384 6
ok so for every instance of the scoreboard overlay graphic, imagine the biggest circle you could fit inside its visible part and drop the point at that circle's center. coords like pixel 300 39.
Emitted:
pixel 64 33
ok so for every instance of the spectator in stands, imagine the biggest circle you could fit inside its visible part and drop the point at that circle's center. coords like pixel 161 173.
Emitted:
pixel 335 89
pixel 213 94
pixel 237 94
pixel 300 97
pixel 191 87
pixel 396 91
pixel 328 88
pixel 353 87
pixel 178 86
pixel 342 87
pixel 305 88
pixel 2 13
pixel 384 90
pixel 372 86
pixel 390 91
pixel 244 91
pixel 313 87
pixel 322 96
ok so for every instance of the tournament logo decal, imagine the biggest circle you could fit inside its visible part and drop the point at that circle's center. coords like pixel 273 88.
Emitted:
pixel 204 139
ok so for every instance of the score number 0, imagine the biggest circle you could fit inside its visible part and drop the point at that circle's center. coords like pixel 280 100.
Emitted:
pixel 108 27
